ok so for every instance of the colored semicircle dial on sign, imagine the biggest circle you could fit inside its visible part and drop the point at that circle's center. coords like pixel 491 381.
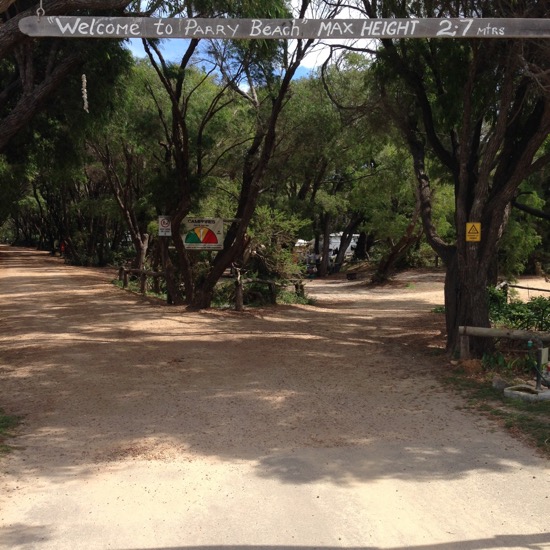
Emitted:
pixel 203 235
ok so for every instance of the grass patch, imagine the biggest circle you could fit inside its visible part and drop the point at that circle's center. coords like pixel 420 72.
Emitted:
pixel 527 420
pixel 290 297
pixel 7 423
pixel 134 288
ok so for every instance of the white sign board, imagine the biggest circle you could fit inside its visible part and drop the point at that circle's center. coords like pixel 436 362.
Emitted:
pixel 203 233
pixel 165 226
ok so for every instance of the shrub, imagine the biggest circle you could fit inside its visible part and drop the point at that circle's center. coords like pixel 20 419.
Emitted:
pixel 531 315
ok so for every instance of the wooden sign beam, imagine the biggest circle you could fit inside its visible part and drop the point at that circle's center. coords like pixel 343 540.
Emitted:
pixel 146 27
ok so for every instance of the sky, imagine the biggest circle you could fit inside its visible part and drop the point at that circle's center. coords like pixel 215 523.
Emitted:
pixel 173 49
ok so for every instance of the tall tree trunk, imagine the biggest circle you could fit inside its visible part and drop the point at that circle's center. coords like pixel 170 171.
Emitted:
pixel 255 165
pixel 323 267
pixel 172 286
pixel 466 299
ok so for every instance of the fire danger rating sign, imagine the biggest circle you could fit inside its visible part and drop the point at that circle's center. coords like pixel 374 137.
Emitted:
pixel 473 232
pixel 203 233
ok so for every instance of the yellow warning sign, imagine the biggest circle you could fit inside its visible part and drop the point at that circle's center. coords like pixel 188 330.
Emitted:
pixel 473 232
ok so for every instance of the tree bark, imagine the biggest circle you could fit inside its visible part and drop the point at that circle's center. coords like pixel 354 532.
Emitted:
pixel 347 237
pixel 255 165
pixel 397 251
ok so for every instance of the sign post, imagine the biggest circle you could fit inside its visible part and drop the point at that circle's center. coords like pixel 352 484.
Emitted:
pixel 148 27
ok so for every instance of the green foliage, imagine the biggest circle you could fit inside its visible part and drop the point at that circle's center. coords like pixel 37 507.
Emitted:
pixel 531 315
pixel 520 239
pixel 224 294
pixel 498 303
pixel 273 234
pixel 255 295
pixel 285 296
pixel 58 197
pixel 10 188
pixel 506 365
pixel 531 419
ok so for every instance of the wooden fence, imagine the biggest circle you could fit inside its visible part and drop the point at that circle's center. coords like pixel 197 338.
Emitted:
pixel 465 333
pixel 124 273
pixel 506 285
pixel 537 338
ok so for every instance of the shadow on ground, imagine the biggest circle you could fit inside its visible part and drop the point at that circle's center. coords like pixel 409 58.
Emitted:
pixel 102 376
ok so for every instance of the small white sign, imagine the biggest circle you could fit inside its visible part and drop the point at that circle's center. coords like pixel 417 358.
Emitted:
pixel 165 226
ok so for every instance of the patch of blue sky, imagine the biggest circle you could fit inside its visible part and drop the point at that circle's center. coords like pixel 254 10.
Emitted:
pixel 173 49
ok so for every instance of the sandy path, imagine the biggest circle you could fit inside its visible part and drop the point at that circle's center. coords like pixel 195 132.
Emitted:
pixel 300 427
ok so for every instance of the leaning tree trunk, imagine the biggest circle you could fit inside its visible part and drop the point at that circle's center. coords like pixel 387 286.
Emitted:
pixel 141 245
pixel 347 237
pixel 255 165
pixel 398 250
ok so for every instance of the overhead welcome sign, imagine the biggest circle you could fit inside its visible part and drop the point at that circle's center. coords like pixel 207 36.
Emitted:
pixel 147 27
pixel 203 233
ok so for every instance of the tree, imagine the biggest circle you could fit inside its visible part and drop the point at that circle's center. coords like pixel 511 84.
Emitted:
pixel 482 109
pixel 127 150
pixel 323 166
pixel 250 74
pixel 48 157
pixel 33 70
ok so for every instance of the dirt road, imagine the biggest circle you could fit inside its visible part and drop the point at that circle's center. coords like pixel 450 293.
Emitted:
pixel 148 427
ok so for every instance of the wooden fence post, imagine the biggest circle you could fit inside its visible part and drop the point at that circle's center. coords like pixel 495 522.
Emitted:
pixel 464 346
pixel 239 294
pixel 273 292
pixel 156 284
pixel 143 283
pixel 299 286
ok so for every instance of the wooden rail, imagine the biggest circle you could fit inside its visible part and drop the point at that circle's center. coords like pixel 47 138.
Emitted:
pixel 529 288
pixel 123 273
pixel 505 285
pixel 465 332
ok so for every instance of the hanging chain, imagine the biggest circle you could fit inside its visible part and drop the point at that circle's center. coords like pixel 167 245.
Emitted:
pixel 40 11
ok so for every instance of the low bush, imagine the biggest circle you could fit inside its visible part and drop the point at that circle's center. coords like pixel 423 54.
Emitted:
pixel 531 315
